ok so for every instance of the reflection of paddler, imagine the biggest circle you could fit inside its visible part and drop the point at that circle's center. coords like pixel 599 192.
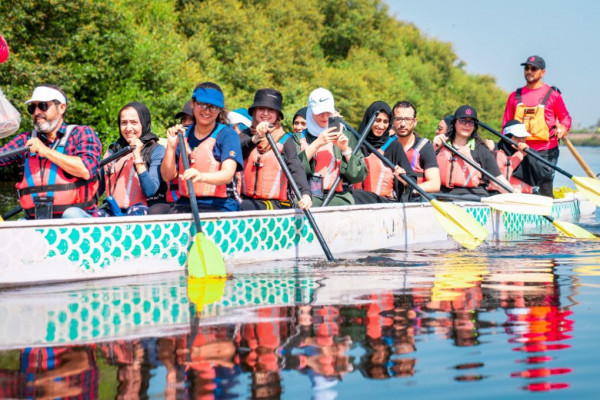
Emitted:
pixel 264 338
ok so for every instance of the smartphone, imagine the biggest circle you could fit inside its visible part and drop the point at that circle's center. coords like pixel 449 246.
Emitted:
pixel 334 122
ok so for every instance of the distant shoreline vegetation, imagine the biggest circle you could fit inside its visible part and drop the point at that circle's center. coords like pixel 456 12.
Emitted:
pixel 585 139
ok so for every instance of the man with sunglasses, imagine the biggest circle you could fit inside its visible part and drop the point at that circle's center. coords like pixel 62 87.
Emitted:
pixel 541 109
pixel 61 162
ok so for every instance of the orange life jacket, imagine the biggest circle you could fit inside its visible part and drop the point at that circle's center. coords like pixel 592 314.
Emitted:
pixel 507 166
pixel 380 179
pixel 263 176
pixel 533 117
pixel 455 172
pixel 202 159
pixel 414 157
pixel 44 179
pixel 122 182
pixel 328 167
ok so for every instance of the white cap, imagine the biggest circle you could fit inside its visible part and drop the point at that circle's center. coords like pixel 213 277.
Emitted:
pixel 517 130
pixel 236 118
pixel 320 101
pixel 45 93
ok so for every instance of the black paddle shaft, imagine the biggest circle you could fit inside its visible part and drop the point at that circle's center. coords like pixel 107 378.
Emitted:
pixel 354 150
pixel 186 165
pixel 409 181
pixel 298 195
pixel 479 168
pixel 530 152
pixel 14 152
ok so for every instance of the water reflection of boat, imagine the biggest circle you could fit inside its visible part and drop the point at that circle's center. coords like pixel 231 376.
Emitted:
pixel 65 250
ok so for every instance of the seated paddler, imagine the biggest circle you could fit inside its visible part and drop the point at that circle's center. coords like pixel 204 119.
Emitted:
pixel 380 185
pixel 265 186
pixel 329 152
pixel 132 182
pixel 214 154
pixel 60 160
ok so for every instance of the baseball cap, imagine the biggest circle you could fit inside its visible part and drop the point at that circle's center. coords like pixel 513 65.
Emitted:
pixel 186 110
pixel 536 61
pixel 320 101
pixel 45 93
pixel 465 111
pixel 516 129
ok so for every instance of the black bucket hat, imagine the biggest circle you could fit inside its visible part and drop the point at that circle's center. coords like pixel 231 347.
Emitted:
pixel 267 98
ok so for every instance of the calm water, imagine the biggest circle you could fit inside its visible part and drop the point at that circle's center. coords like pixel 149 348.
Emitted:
pixel 513 319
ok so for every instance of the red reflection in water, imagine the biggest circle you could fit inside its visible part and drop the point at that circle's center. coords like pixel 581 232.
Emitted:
pixel 545 386
pixel 540 372
pixel 535 360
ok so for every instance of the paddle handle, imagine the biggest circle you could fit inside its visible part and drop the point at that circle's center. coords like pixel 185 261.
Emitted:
pixel 354 150
pixel 579 159
pixel 296 190
pixel 116 155
pixel 479 168
pixel 409 181
pixel 530 152
pixel 14 152
pixel 190 184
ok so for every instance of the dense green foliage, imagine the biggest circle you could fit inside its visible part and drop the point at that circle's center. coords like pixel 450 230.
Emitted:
pixel 107 53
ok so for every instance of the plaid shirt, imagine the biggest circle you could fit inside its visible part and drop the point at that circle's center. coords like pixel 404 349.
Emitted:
pixel 83 143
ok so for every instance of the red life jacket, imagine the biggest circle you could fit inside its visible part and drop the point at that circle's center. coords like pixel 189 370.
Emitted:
pixel 414 156
pixel 328 167
pixel 122 182
pixel 380 179
pixel 263 176
pixel 43 178
pixel 455 172
pixel 172 194
pixel 507 166
pixel 202 159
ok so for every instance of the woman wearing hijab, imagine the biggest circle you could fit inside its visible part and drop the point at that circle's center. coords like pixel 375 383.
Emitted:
pixel 443 125
pixel 458 177
pixel 380 186
pixel 133 183
pixel 329 153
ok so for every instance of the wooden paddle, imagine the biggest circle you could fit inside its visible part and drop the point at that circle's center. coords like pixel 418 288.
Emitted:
pixel 566 228
pixel 296 191
pixel 459 224
pixel 589 187
pixel 204 257
pixel 579 159
pixel 520 203
pixel 116 155
pixel 354 150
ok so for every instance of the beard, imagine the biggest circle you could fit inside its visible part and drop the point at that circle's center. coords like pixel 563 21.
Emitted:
pixel 45 126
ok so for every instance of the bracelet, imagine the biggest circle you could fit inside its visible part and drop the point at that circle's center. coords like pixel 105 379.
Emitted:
pixel 348 152
pixel 138 161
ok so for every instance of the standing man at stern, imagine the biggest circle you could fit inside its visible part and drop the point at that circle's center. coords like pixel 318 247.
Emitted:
pixel 541 109
pixel 61 164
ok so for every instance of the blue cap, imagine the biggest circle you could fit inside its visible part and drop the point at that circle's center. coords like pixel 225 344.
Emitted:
pixel 209 96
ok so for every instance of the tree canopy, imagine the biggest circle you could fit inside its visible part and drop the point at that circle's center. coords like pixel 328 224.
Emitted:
pixel 105 54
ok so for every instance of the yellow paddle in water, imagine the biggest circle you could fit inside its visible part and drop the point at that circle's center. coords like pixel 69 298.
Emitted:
pixel 459 224
pixel 589 187
pixel 566 228
pixel 204 257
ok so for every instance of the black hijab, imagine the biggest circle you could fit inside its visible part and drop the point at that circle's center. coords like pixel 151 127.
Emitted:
pixel 376 107
pixel 301 112
pixel 148 138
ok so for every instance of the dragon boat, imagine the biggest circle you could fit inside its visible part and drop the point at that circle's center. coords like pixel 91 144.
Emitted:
pixel 58 250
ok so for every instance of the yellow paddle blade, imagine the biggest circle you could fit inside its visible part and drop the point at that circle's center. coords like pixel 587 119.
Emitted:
pixel 459 224
pixel 520 203
pixel 571 230
pixel 205 258
pixel 589 187
pixel 205 291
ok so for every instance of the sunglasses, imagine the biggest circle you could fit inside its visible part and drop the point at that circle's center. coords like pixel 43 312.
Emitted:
pixel 465 121
pixel 531 68
pixel 43 106
pixel 207 107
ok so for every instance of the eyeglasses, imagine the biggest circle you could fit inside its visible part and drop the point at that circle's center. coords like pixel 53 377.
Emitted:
pixel 465 121
pixel 408 120
pixel 43 106
pixel 207 107
pixel 531 68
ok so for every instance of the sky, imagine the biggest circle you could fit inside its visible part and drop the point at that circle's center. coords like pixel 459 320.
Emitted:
pixel 495 37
